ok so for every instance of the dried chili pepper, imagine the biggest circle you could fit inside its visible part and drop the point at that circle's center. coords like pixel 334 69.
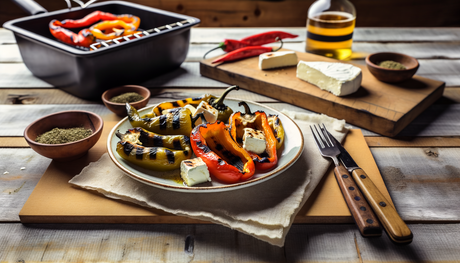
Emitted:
pixel 257 121
pixel 226 160
pixel 267 37
pixel 246 52
pixel 255 40
pixel 229 45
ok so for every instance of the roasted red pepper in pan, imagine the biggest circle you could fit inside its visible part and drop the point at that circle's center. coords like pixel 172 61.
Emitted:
pixel 87 37
pixel 226 160
pixel 255 40
pixel 257 121
pixel 246 52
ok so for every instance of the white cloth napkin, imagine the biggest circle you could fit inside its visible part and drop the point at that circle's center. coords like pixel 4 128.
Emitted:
pixel 265 211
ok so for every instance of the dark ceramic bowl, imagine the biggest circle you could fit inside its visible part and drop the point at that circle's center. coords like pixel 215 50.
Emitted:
pixel 120 108
pixel 65 119
pixel 392 75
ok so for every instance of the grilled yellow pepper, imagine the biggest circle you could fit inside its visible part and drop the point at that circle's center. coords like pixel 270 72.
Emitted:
pixel 278 129
pixel 176 122
pixel 224 111
pixel 153 151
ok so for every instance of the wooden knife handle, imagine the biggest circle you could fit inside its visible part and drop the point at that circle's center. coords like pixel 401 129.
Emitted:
pixel 395 227
pixel 362 213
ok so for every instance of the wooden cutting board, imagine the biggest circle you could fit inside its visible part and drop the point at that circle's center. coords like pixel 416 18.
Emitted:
pixel 380 107
pixel 54 200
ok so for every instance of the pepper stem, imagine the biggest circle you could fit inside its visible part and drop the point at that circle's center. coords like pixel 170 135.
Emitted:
pixel 219 103
pixel 280 40
pixel 246 107
pixel 221 45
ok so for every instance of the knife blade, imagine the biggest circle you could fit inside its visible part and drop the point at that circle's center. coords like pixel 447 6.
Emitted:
pixel 393 224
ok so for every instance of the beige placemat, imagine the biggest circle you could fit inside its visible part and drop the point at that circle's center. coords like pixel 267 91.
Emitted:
pixel 265 211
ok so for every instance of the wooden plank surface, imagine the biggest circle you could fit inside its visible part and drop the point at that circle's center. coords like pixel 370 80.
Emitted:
pixel 212 243
pixel 246 13
pixel 412 173
pixel 377 106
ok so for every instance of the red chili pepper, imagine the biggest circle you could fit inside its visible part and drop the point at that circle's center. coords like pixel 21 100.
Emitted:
pixel 267 37
pixel 226 160
pixel 255 40
pixel 246 52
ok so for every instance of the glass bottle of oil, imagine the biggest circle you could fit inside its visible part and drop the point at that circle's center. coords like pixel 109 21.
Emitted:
pixel 330 26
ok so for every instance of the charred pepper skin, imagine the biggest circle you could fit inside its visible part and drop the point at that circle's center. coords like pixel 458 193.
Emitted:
pixel 146 138
pixel 177 122
pixel 224 111
pixel 258 121
pixel 227 161
pixel 152 158
pixel 277 128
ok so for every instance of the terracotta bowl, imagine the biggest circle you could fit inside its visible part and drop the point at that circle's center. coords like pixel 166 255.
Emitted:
pixel 120 108
pixel 65 119
pixel 392 75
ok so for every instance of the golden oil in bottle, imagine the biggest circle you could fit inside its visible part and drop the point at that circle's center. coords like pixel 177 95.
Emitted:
pixel 330 27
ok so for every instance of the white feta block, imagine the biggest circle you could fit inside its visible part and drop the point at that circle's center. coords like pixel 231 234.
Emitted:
pixel 338 78
pixel 277 59
pixel 254 141
pixel 194 171
pixel 208 111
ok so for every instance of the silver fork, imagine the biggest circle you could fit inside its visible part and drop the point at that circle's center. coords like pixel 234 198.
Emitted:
pixel 360 210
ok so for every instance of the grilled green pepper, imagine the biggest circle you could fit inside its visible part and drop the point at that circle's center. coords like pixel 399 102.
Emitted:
pixel 224 111
pixel 277 128
pixel 176 122
pixel 157 152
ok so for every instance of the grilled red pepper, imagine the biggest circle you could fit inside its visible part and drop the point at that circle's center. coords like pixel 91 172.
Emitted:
pixel 86 21
pixel 85 37
pixel 255 40
pixel 246 52
pixel 257 121
pixel 267 37
pixel 226 160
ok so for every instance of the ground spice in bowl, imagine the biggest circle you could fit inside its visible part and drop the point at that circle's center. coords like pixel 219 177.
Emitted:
pixel 58 135
pixel 390 64
pixel 127 97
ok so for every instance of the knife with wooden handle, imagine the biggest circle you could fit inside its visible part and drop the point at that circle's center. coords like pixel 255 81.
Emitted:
pixel 361 211
pixel 395 227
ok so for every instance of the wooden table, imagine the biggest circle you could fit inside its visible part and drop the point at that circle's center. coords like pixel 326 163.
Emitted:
pixel 420 168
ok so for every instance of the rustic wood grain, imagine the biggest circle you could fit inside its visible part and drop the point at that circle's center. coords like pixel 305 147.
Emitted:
pixel 236 13
pixel 422 191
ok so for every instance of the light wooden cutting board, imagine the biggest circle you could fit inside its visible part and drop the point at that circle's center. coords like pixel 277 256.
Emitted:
pixel 54 200
pixel 380 107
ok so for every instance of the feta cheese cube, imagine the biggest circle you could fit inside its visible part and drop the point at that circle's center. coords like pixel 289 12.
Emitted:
pixel 210 113
pixel 277 59
pixel 194 171
pixel 254 141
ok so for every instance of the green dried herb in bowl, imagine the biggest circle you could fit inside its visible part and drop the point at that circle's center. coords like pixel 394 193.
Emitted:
pixel 390 64
pixel 59 136
pixel 127 97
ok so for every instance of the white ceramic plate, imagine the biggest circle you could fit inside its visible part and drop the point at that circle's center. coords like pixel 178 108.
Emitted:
pixel 287 156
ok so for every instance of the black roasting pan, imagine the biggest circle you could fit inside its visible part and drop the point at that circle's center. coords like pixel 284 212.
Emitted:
pixel 88 73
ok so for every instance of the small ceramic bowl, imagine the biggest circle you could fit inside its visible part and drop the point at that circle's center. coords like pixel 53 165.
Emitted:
pixel 65 119
pixel 120 108
pixel 391 75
